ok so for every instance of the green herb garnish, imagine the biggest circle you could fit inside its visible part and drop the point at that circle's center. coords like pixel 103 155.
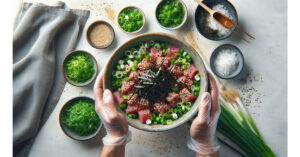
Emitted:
pixel 81 118
pixel 79 67
pixel 170 13
pixel 130 19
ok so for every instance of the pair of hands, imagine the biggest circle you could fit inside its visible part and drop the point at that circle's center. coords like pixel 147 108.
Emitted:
pixel 202 129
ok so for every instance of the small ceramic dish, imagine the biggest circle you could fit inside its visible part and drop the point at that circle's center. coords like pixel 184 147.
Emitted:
pixel 92 26
pixel 201 22
pixel 68 131
pixel 80 84
pixel 144 19
pixel 239 56
pixel 184 18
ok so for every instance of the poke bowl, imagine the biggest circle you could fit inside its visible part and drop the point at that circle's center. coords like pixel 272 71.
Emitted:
pixel 156 81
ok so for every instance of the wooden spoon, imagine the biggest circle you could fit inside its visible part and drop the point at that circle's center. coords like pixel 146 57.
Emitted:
pixel 223 20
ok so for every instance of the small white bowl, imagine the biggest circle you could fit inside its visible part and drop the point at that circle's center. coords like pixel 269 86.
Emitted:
pixel 239 56
pixel 68 131
pixel 144 19
pixel 81 84
pixel 184 18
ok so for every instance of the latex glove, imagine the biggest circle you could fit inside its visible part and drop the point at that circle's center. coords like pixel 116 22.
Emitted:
pixel 203 128
pixel 114 122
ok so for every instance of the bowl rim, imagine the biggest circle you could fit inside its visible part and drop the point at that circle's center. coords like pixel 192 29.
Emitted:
pixel 87 36
pixel 184 18
pixel 89 81
pixel 173 38
pixel 196 24
pixel 60 114
pixel 140 10
pixel 238 51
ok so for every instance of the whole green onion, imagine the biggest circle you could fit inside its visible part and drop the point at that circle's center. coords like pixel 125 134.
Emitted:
pixel 234 126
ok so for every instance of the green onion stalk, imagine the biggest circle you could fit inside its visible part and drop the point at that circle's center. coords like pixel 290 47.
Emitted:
pixel 233 124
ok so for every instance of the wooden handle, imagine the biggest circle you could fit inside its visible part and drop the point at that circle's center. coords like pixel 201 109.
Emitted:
pixel 204 6
pixel 238 35
pixel 238 27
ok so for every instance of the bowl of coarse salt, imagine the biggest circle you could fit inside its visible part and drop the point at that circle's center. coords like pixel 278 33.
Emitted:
pixel 227 61
pixel 210 28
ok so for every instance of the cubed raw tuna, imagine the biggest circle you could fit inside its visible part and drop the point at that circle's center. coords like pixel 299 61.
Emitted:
pixel 152 57
pixel 164 61
pixel 182 79
pixel 127 86
pixel 132 110
pixel 145 65
pixel 141 73
pixel 133 100
pixel 190 72
pixel 118 97
pixel 155 54
pixel 177 71
pixel 133 75
pixel 189 82
pixel 173 98
pixel 161 107
pixel 148 49
pixel 172 50
pixel 144 104
pixel 186 95
pixel 144 115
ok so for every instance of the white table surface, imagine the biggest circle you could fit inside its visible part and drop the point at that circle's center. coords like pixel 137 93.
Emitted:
pixel 262 85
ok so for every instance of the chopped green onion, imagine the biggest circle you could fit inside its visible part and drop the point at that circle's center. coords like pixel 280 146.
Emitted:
pixel 125 97
pixel 170 13
pixel 130 115
pixel 122 106
pixel 127 79
pixel 79 67
pixel 175 116
pixel 169 122
pixel 151 43
pixel 157 46
pixel 175 89
pixel 164 45
pixel 148 122
pixel 130 19
pixel 164 51
pixel 119 74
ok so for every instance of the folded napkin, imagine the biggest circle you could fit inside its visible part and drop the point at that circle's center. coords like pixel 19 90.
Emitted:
pixel 42 36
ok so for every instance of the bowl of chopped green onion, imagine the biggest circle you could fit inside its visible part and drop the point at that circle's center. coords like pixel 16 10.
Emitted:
pixel 79 68
pixel 171 14
pixel 79 120
pixel 131 19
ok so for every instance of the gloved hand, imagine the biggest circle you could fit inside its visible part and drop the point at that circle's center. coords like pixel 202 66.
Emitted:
pixel 203 128
pixel 114 122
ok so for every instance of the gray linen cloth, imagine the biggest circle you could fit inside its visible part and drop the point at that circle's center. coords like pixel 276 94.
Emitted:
pixel 42 36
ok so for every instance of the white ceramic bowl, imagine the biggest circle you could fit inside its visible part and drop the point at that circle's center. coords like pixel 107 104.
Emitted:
pixel 184 18
pixel 144 19
pixel 81 84
pixel 160 37
pixel 68 131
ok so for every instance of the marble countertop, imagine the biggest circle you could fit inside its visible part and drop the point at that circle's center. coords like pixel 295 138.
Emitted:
pixel 262 85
